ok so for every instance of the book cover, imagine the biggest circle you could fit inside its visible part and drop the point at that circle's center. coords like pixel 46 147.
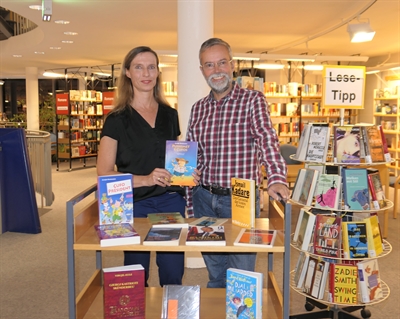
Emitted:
pixel 208 221
pixel 303 142
pixel 327 236
pixel 167 220
pixel 117 234
pixel 243 294
pixel 355 240
pixel 167 236
pixel 355 189
pixel 124 292
pixel 304 186
pixel 346 144
pixel 301 269
pixel 312 262
pixel 206 236
pixel 181 161
pixel 327 191
pixel 318 142
pixel 304 229
pixel 256 237
pixel 319 280
pixel 374 239
pixel 376 186
pixel 369 280
pixel 115 193
pixel 385 147
pixel 243 202
pixel 374 139
pixel 343 283
pixel 180 302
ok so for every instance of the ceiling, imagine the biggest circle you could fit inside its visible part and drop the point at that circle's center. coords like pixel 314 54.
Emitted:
pixel 107 30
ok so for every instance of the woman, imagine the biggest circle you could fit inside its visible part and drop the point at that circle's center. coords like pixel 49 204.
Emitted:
pixel 133 138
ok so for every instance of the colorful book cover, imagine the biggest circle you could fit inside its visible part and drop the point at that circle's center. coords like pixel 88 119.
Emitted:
pixel 369 280
pixel 386 152
pixel 346 144
pixel 115 193
pixel 343 284
pixel 318 142
pixel 208 221
pixel 375 145
pixel 256 238
pixel 327 236
pixel 355 189
pixel 206 236
pixel 304 187
pixel 243 294
pixel 124 292
pixel 328 190
pixel 117 234
pixel 375 247
pixel 180 302
pixel 376 183
pixel 355 240
pixel 181 161
pixel 167 236
pixel 304 229
pixel 167 220
pixel 243 202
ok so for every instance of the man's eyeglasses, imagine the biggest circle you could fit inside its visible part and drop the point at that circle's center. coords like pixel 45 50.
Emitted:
pixel 220 64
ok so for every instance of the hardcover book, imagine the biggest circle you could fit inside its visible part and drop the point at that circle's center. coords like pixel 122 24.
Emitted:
pixel 304 186
pixel 327 236
pixel 369 280
pixel 208 221
pixel 328 190
pixel 115 193
pixel 355 189
pixel 167 220
pixel 256 238
pixel 243 202
pixel 376 187
pixel 167 236
pixel 303 142
pixel 374 239
pixel 206 236
pixel 180 302
pixel 386 152
pixel 346 144
pixel 312 262
pixel 319 280
pixel 318 142
pixel 304 229
pixel 376 153
pixel 243 294
pixel 343 283
pixel 181 161
pixel 301 269
pixel 355 240
pixel 117 234
pixel 124 292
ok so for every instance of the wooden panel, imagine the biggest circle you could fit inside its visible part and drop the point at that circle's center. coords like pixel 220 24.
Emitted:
pixel 88 294
pixel 86 219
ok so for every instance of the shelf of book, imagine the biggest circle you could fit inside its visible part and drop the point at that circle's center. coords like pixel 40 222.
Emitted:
pixel 81 236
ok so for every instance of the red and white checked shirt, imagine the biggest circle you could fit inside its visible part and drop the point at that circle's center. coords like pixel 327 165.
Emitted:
pixel 235 137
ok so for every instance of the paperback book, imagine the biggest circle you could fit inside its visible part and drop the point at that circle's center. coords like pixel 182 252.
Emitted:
pixel 327 191
pixel 124 292
pixel 206 236
pixel 208 221
pixel 301 269
pixel 304 186
pixel 115 193
pixel 181 161
pixel 369 280
pixel 303 142
pixel 167 236
pixel 318 142
pixel 374 239
pixel 243 294
pixel 376 188
pixel 346 144
pixel 117 234
pixel 256 238
pixel 319 279
pixel 385 147
pixel 355 240
pixel 355 189
pixel 343 284
pixel 180 302
pixel 243 202
pixel 327 236
pixel 375 147
pixel 304 229
pixel 312 263
pixel 167 220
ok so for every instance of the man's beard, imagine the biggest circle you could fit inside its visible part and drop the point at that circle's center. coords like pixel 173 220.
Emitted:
pixel 222 86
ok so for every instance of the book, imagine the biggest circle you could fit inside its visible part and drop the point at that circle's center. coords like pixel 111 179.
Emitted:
pixel 319 279
pixel 376 188
pixel 312 262
pixel 355 189
pixel 167 220
pixel 385 147
pixel 369 280
pixel 167 236
pixel 374 239
pixel 243 202
pixel 301 269
pixel 375 148
pixel 343 283
pixel 208 221
pixel 304 187
pixel 124 292
pixel 117 234
pixel 346 144
pixel 115 198
pixel 181 161
pixel 327 235
pixel 354 239
pixel 180 302
pixel 304 229
pixel 327 191
pixel 303 142
pixel 318 142
pixel 206 236
pixel 243 294
pixel 256 238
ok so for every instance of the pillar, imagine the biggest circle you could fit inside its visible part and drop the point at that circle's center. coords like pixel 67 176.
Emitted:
pixel 32 98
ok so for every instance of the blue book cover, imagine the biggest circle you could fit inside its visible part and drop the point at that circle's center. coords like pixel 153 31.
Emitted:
pixel 115 197
pixel 180 161
pixel 243 294
pixel 355 189
pixel 355 241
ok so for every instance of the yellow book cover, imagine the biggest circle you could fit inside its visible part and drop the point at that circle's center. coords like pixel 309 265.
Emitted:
pixel 374 240
pixel 344 283
pixel 243 202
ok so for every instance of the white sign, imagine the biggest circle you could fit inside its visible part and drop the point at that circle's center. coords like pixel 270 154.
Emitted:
pixel 343 87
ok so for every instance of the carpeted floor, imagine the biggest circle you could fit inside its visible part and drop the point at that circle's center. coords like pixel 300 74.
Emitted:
pixel 33 268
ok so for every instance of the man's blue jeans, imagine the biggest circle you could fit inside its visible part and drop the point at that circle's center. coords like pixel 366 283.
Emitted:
pixel 207 204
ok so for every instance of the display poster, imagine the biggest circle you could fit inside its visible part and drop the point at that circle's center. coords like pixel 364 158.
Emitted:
pixel 62 103
pixel 108 101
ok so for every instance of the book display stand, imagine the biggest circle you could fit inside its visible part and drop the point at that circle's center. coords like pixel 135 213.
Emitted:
pixel 82 215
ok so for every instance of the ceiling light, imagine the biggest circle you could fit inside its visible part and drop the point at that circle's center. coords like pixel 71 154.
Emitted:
pixel 313 67
pixel 67 41
pixel 39 52
pixel 270 66
pixel 1 82
pixel 35 7
pixel 70 33
pixel 246 56
pixel 52 74
pixel 396 68
pixel 47 10
pixel 372 72
pixel 61 22
pixel 17 56
pixel 360 32
pixel 55 48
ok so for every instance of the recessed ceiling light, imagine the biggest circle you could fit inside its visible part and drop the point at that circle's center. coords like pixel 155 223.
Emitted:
pixel 35 7
pixel 55 48
pixel 17 56
pixel 39 52
pixel 61 22
pixel 67 41
pixel 70 33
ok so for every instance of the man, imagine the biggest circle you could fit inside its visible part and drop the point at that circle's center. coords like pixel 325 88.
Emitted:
pixel 235 137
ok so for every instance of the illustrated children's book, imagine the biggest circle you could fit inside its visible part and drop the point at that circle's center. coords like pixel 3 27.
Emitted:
pixel 115 198
pixel 355 189
pixel 369 280
pixel 328 190
pixel 243 202
pixel 206 236
pixel 117 234
pixel 327 235
pixel 346 144
pixel 180 302
pixel 243 294
pixel 256 238
pixel 343 284
pixel 167 220
pixel 181 161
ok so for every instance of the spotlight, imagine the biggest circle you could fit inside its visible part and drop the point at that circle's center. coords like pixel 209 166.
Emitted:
pixel 1 82
pixel 47 10
pixel 360 32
